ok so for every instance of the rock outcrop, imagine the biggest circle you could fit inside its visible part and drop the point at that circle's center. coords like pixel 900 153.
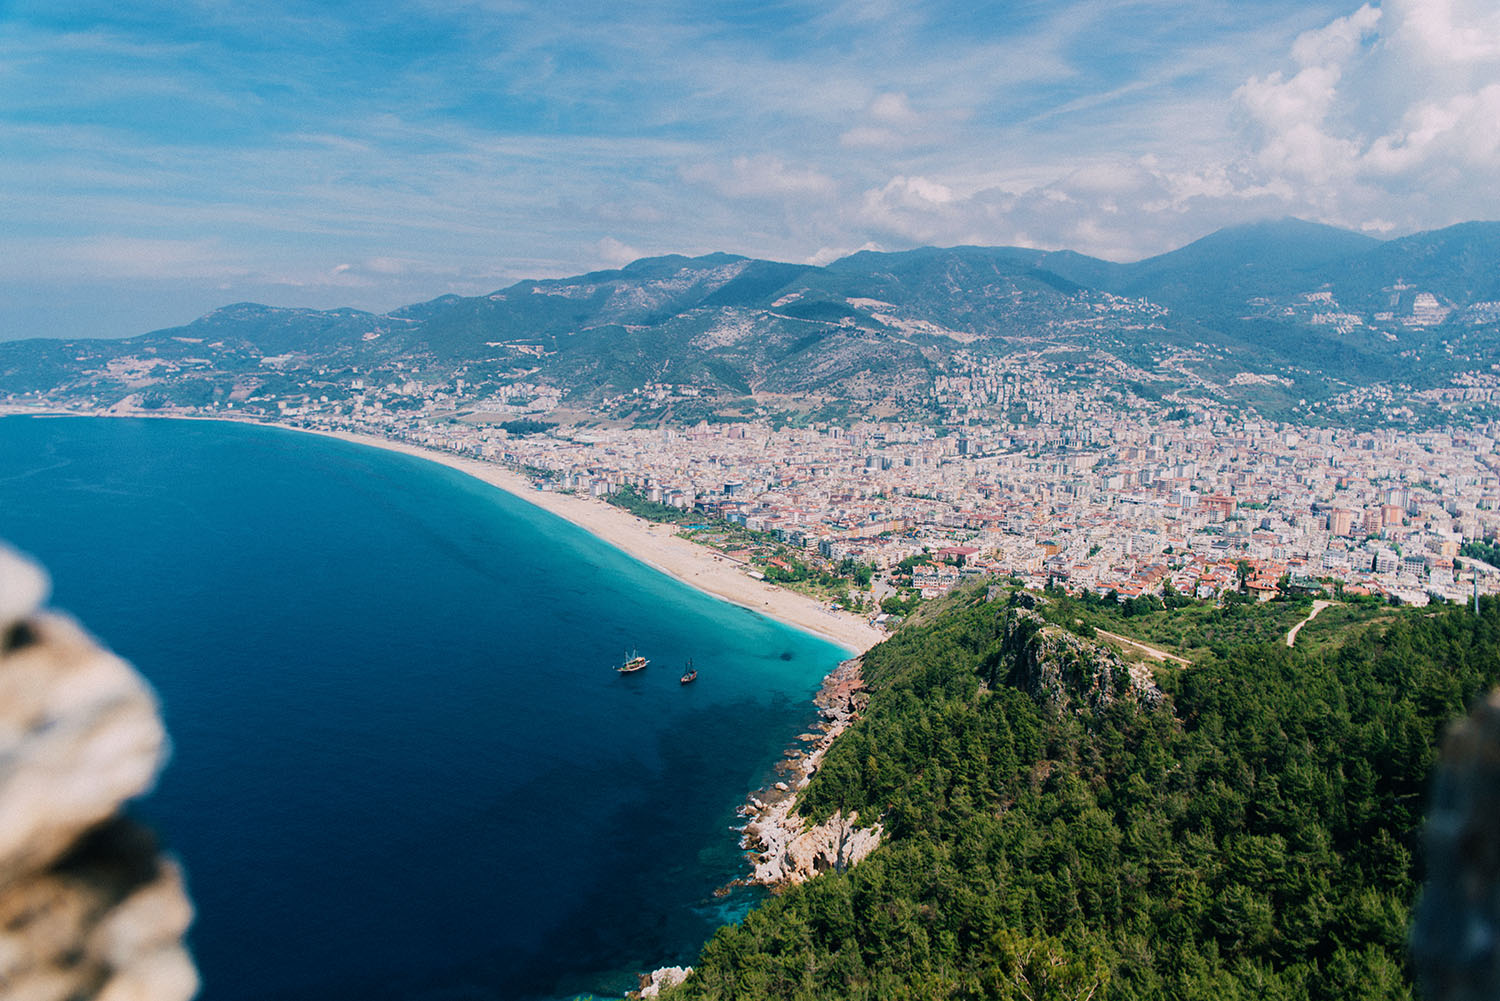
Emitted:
pixel 786 849
pixel 88 908
pixel 653 983
pixel 1061 670
pixel 789 853
pixel 1456 937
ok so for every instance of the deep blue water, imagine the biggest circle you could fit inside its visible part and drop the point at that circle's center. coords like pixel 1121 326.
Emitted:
pixel 402 766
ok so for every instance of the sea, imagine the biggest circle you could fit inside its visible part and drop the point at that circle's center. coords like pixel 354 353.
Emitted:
pixel 403 765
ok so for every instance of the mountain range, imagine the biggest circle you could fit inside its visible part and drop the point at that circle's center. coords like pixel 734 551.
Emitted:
pixel 1271 315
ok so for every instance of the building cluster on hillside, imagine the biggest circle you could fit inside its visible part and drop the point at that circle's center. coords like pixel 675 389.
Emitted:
pixel 1020 466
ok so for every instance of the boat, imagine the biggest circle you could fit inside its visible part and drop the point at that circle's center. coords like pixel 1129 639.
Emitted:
pixel 691 675
pixel 632 664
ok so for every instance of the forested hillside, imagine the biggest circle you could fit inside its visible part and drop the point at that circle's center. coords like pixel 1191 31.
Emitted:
pixel 1058 830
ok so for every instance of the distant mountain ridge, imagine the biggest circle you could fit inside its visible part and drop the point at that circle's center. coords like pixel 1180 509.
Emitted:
pixel 1313 309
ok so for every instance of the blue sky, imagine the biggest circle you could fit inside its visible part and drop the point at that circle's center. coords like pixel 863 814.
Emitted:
pixel 160 161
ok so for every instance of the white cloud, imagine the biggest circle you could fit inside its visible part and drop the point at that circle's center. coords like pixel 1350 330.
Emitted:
pixel 915 208
pixel 1382 119
pixel 1387 104
pixel 388 265
pixel 1291 113
pixel 870 137
pixel 1447 31
pixel 1336 42
pixel 895 109
pixel 890 122
pixel 1464 130
pixel 127 256
pixel 760 176
pixel 369 273
pixel 912 192
pixel 827 255
pixel 612 251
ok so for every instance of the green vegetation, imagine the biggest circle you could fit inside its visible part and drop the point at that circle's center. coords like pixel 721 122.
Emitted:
pixel 538 472
pixel 632 500
pixel 525 427
pixel 903 602
pixel 860 573
pixel 1250 834
pixel 781 564
pixel 832 583
pixel 1487 551
pixel 1337 624
pixel 1182 625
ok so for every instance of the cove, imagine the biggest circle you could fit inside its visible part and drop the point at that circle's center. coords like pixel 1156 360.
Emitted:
pixel 403 766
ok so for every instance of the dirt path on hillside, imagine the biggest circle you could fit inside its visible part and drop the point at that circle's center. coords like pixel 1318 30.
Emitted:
pixel 1149 651
pixel 1318 606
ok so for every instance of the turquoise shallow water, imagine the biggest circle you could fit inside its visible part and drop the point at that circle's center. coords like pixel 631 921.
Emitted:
pixel 403 767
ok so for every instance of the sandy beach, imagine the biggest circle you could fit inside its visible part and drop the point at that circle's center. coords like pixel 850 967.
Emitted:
pixel 658 546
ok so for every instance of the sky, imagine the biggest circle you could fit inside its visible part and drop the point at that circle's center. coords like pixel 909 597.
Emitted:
pixel 158 160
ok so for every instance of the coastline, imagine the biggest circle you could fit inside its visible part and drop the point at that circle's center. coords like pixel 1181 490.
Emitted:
pixel 656 545
pixel 781 847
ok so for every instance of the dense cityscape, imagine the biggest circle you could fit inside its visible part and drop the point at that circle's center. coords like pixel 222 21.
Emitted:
pixel 1107 505
pixel 1193 500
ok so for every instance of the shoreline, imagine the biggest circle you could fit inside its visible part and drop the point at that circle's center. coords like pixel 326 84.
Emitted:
pixel 656 545
pixel 781 847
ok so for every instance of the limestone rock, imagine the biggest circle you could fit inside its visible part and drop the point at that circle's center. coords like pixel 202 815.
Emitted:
pixel 1063 671
pixel 786 850
pixel 791 854
pixel 88 908
pixel 657 981
pixel 79 735
pixel 23 588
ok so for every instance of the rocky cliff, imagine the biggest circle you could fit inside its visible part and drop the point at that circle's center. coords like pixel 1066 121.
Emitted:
pixel 88 907
pixel 1061 670
pixel 1058 669
pixel 785 848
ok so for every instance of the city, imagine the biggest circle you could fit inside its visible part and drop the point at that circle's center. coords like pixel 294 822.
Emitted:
pixel 1192 500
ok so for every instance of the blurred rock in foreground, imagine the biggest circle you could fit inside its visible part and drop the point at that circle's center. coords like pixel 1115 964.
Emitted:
pixel 88 908
pixel 1456 939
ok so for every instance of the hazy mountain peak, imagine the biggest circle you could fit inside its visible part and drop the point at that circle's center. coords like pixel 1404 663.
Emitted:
pixel 1274 243
pixel 681 261
pixel 1265 304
